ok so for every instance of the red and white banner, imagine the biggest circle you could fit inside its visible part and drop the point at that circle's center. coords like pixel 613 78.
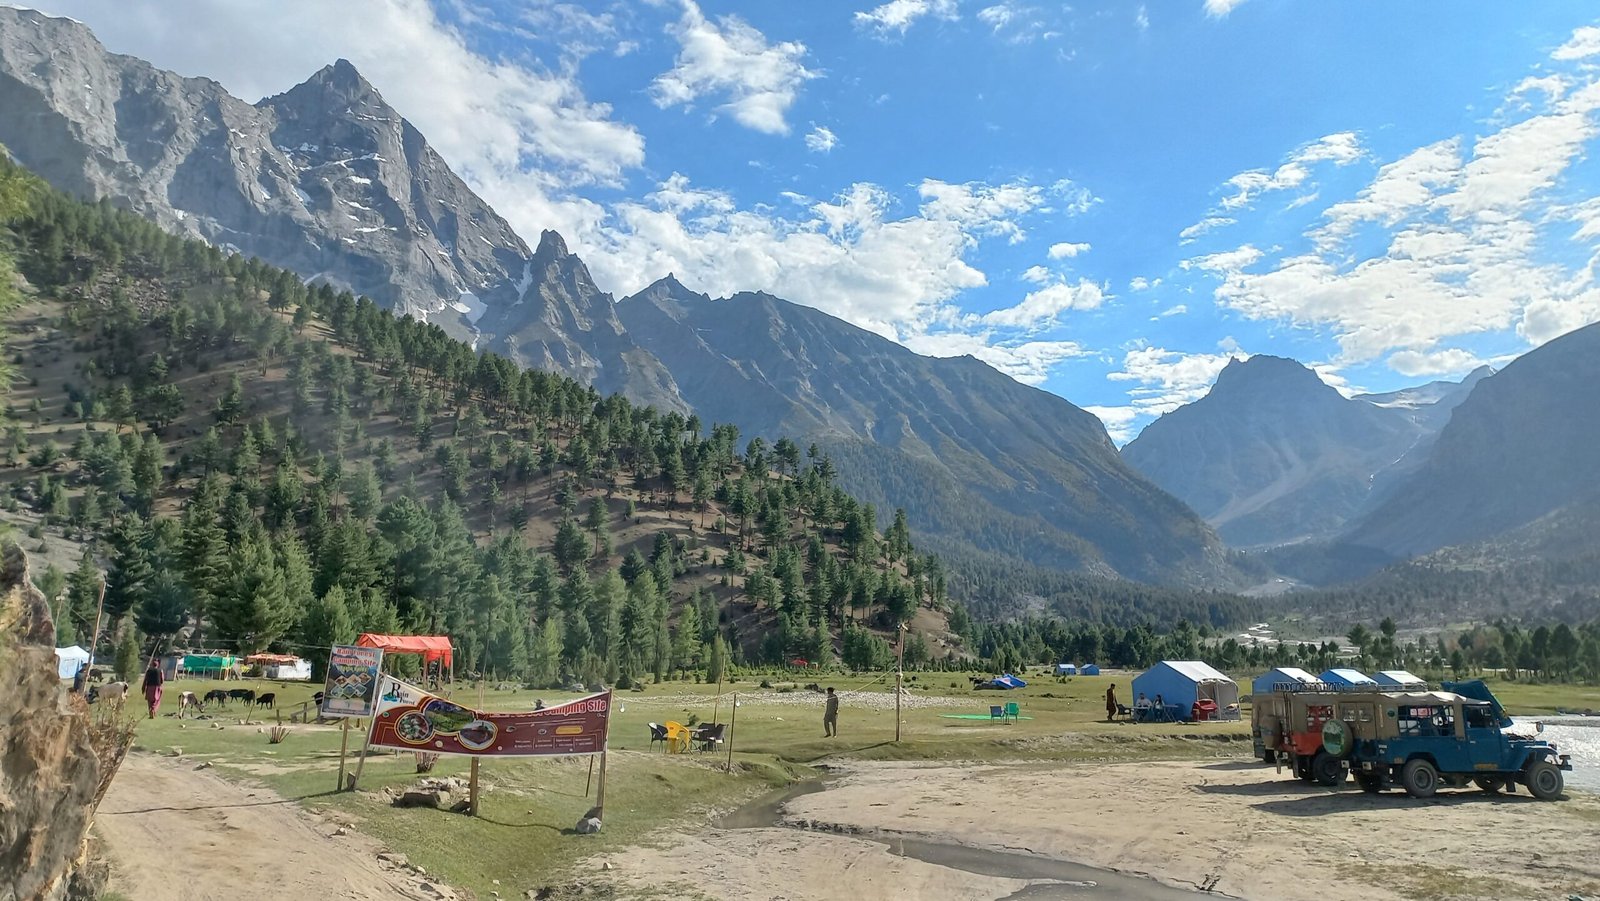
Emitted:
pixel 411 719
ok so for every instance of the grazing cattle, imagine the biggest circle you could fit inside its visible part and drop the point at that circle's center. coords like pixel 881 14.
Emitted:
pixel 268 699
pixel 218 695
pixel 246 695
pixel 189 702
pixel 115 692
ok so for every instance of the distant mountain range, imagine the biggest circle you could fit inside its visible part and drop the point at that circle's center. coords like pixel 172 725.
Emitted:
pixel 1272 455
pixel 329 181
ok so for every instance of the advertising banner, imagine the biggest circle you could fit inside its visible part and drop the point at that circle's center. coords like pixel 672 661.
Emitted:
pixel 412 720
pixel 353 679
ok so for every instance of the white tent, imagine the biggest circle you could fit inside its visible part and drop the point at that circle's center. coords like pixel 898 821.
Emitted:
pixel 69 660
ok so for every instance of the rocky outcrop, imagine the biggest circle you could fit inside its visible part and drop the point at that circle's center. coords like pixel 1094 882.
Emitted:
pixel 49 771
pixel 325 179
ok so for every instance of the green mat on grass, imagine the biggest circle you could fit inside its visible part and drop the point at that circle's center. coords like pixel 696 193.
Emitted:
pixel 979 716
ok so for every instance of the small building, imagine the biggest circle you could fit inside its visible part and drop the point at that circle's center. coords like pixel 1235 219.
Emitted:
pixel 1347 678
pixel 1399 678
pixel 1283 675
pixel 70 660
pixel 1181 683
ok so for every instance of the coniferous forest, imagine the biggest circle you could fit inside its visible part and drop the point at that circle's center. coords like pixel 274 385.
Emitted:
pixel 261 465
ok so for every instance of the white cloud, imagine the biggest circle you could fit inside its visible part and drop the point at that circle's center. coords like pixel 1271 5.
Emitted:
pixel 1037 274
pixel 1584 43
pixel 1341 149
pixel 1450 361
pixel 1217 9
pixel 896 16
pixel 1464 235
pixel 1552 86
pixel 1140 283
pixel 728 58
pixel 1064 250
pixel 1043 307
pixel 1178 310
pixel 1142 18
pixel 1029 362
pixel 821 139
pixel 624 48
pixel 1168 379
pixel 1119 422
pixel 1204 225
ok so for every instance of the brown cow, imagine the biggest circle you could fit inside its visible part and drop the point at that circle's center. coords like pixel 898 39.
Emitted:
pixel 189 702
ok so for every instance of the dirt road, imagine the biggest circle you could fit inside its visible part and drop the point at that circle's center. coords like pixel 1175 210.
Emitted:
pixel 1234 828
pixel 175 833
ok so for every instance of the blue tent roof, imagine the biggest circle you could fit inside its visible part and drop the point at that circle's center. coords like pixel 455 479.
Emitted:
pixel 1398 678
pixel 1342 676
pixel 1089 669
pixel 1009 681
pixel 1066 669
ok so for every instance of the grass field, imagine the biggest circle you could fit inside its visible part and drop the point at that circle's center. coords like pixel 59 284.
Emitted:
pixel 522 836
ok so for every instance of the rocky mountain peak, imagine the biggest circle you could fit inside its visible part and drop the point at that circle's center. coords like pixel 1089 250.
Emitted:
pixel 1266 373
pixel 552 247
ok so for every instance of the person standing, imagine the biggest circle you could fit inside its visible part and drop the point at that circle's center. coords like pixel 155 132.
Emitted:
pixel 153 680
pixel 1111 702
pixel 830 715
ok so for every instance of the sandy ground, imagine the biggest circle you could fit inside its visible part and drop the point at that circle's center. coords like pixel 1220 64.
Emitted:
pixel 1235 828
pixel 175 833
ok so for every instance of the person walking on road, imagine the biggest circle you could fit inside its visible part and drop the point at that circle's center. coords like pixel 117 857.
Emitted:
pixel 153 681
pixel 830 715
pixel 1111 702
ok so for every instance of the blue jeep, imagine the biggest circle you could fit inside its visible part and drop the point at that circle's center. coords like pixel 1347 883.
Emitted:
pixel 1422 740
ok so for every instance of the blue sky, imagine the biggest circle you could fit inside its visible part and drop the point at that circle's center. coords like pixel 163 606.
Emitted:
pixel 1108 200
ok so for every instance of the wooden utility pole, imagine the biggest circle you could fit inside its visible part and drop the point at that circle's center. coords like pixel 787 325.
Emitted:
pixel 99 614
pixel 733 719
pixel 899 675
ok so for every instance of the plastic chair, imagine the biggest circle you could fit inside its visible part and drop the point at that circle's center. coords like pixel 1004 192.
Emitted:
pixel 709 735
pixel 658 733
pixel 996 712
pixel 678 738
pixel 1013 711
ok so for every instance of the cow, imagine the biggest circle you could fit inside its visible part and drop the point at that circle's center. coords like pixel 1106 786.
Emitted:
pixel 115 692
pixel 189 702
pixel 218 695
pixel 268 699
pixel 246 695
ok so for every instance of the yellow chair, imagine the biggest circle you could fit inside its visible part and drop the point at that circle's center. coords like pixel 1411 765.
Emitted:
pixel 678 737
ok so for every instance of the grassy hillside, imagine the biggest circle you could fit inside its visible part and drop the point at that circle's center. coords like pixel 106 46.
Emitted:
pixel 268 466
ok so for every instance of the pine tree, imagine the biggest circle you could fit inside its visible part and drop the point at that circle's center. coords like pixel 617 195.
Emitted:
pixel 717 660
pixel 165 608
pixel 131 571
pixel 570 549
pixel 83 598
pixel 253 611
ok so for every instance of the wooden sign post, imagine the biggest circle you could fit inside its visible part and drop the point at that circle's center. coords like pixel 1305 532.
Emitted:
pixel 344 742
pixel 472 790
pixel 732 720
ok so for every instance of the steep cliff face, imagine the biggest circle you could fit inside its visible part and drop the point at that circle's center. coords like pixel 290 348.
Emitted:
pixel 325 179
pixel 48 768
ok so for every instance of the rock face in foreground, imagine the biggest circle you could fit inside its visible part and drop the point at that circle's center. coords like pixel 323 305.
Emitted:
pixel 48 767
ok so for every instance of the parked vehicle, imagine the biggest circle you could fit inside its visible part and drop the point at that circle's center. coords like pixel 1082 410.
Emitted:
pixel 1286 726
pixel 1426 740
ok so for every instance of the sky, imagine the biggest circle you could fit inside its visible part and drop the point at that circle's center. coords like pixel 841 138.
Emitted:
pixel 1107 200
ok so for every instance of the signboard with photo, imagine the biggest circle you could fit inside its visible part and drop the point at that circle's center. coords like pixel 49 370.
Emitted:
pixel 353 679
pixel 412 720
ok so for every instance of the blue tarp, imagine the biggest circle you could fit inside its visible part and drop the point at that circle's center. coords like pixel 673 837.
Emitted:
pixel 1009 681
pixel 1181 682
pixel 1088 669
pixel 1066 669
pixel 1264 683
pixel 1345 677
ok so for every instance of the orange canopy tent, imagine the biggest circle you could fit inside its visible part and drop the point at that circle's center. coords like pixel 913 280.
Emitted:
pixel 431 647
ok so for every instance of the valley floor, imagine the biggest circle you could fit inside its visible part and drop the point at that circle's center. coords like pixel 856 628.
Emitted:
pixel 903 830
pixel 1232 827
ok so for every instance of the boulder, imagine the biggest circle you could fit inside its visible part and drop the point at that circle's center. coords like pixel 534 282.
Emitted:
pixel 590 824
pixel 445 793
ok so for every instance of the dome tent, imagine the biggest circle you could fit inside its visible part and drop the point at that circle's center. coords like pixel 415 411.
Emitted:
pixel 1181 683
pixel 70 660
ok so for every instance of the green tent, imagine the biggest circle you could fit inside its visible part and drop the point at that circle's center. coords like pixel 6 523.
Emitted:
pixel 207 663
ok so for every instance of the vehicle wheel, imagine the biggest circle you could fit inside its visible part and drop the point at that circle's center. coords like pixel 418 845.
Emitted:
pixel 1419 779
pixel 1544 780
pixel 1302 768
pixel 1269 757
pixel 1491 784
pixel 1327 769
pixel 1369 782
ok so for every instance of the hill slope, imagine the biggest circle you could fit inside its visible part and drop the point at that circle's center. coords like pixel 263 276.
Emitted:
pixel 278 481
pixel 1522 446
pixel 976 459
pixel 1272 455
